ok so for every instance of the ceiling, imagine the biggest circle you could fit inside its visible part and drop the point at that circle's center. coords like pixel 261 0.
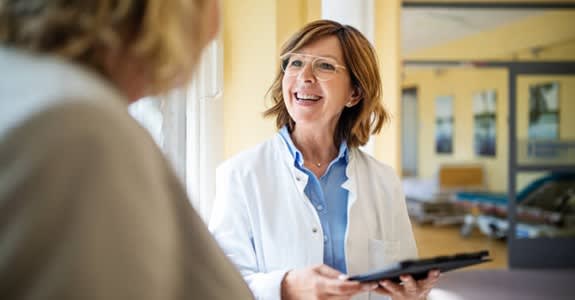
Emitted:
pixel 428 27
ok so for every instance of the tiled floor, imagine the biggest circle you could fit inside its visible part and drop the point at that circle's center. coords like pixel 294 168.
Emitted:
pixel 445 240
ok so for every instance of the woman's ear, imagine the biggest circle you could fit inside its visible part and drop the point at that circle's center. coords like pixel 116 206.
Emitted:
pixel 356 96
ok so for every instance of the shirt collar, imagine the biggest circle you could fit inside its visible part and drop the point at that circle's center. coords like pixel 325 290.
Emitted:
pixel 343 152
pixel 298 157
pixel 295 153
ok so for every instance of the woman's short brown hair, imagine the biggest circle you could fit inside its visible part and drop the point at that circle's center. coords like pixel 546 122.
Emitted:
pixel 355 123
pixel 163 34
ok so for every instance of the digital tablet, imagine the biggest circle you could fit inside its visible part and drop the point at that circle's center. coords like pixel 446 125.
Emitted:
pixel 419 268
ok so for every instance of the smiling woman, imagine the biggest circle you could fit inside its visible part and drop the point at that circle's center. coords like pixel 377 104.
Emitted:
pixel 301 210
pixel 358 62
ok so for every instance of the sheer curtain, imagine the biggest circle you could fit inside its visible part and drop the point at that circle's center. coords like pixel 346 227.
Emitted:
pixel 204 138
pixel 188 126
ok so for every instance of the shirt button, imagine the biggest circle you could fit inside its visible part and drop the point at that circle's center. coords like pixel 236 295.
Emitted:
pixel 319 207
pixel 314 230
pixel 325 239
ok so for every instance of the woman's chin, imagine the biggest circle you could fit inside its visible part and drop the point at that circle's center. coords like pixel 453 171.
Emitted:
pixel 308 121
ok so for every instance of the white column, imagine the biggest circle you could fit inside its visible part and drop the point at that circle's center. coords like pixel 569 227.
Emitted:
pixel 359 14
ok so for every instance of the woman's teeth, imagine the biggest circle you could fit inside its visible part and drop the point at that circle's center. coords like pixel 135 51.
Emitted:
pixel 307 97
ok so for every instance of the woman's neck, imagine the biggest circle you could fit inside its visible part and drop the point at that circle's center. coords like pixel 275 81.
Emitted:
pixel 316 146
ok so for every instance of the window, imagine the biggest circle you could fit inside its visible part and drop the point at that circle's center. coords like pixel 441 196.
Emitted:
pixel 188 127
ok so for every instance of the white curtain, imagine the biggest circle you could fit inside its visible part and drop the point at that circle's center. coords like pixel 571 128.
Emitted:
pixel 204 137
pixel 188 126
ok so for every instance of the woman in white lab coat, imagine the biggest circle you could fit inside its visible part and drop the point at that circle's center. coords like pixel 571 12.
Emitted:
pixel 302 209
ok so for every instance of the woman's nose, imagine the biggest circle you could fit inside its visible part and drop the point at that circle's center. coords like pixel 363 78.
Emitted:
pixel 306 73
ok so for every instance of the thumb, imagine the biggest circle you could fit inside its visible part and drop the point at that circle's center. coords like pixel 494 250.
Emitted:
pixel 327 271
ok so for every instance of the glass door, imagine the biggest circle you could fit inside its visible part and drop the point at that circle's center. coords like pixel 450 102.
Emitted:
pixel 542 165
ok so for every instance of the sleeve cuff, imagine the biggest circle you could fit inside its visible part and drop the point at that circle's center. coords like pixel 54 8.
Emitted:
pixel 267 286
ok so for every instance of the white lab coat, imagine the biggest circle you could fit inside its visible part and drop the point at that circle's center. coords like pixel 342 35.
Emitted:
pixel 266 224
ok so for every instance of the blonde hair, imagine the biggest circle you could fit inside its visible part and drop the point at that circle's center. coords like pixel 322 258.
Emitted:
pixel 355 123
pixel 163 34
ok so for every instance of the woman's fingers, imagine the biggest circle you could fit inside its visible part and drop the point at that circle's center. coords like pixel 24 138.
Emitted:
pixel 409 284
pixel 340 287
pixel 330 283
pixel 409 287
pixel 327 271
pixel 431 280
pixel 333 283
pixel 382 290
pixel 393 288
pixel 321 282
pixel 344 287
pixel 338 297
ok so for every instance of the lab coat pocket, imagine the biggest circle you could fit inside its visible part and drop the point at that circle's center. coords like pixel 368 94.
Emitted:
pixel 382 253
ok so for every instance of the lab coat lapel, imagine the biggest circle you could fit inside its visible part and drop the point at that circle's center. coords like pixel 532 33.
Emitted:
pixel 356 236
pixel 299 177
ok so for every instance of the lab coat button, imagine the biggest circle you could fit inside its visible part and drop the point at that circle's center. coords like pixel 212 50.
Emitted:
pixel 314 230
pixel 298 178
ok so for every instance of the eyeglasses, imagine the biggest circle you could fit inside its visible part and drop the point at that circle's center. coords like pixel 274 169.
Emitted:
pixel 323 68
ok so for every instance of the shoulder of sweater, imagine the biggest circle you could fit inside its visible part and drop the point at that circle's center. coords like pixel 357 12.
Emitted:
pixel 89 127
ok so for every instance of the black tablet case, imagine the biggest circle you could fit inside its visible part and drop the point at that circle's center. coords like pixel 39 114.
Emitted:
pixel 419 268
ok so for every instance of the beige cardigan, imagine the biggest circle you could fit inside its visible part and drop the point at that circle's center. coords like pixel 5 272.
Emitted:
pixel 89 207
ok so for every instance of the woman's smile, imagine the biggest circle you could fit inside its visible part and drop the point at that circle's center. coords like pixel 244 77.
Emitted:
pixel 303 98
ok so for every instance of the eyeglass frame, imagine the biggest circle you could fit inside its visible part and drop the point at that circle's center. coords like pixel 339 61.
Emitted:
pixel 314 58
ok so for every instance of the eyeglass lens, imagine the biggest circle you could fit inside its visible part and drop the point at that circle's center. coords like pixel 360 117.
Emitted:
pixel 322 68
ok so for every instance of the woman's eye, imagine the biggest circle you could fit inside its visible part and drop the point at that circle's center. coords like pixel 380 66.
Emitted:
pixel 296 63
pixel 326 66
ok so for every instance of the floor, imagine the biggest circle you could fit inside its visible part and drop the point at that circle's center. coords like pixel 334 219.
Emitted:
pixel 445 240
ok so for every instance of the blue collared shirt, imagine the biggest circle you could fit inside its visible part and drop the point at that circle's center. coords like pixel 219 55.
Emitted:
pixel 329 199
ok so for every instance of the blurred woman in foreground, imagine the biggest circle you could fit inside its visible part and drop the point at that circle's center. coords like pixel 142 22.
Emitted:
pixel 89 207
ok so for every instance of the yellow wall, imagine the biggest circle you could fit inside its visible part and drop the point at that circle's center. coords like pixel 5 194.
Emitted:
pixel 462 84
pixel 554 32
pixel 253 31
pixel 249 64
pixel 387 44
pixel 292 15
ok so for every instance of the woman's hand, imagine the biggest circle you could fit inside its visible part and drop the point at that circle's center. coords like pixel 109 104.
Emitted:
pixel 320 282
pixel 410 289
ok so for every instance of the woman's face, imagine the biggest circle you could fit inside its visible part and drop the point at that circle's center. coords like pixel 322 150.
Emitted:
pixel 310 98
